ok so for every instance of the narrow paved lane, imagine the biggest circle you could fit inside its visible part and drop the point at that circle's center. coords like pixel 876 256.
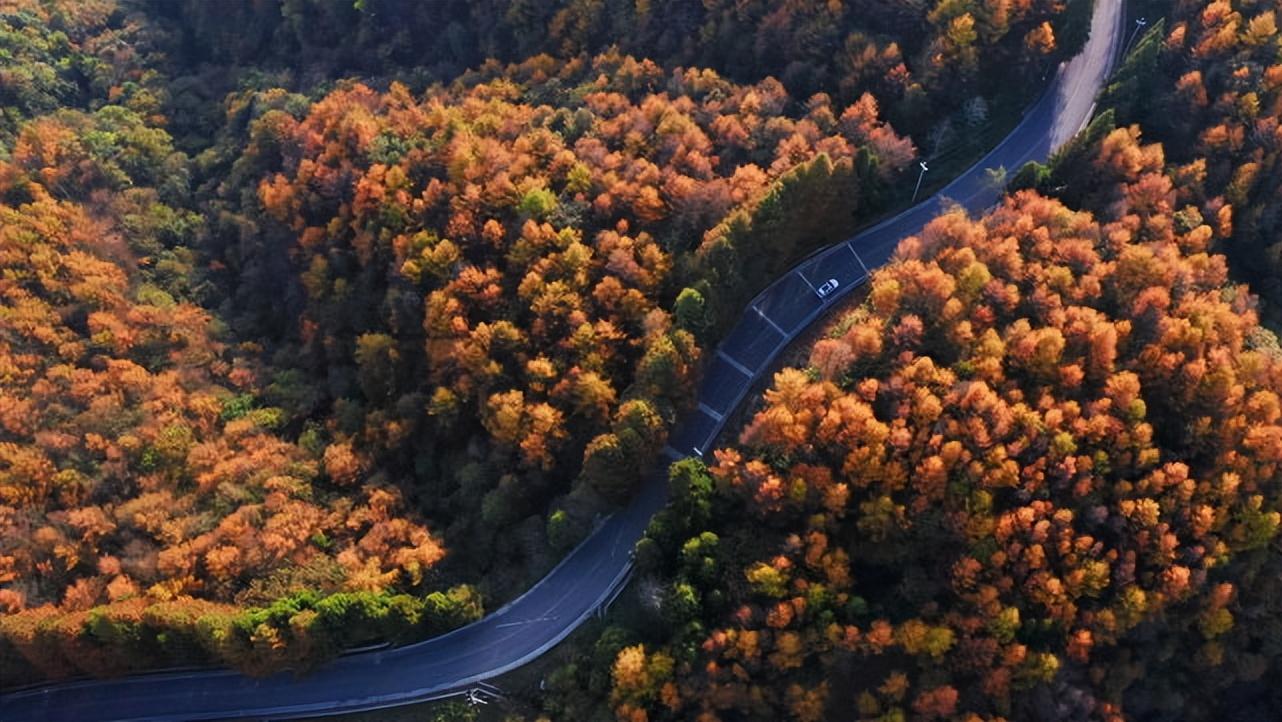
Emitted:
pixel 594 571
pixel 789 305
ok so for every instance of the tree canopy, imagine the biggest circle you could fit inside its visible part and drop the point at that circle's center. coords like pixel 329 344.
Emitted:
pixel 1033 475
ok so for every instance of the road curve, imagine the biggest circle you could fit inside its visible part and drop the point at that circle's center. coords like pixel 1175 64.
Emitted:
pixel 597 569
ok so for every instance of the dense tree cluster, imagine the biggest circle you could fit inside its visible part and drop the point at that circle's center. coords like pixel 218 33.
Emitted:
pixel 503 283
pixel 138 473
pixel 1034 475
pixel 83 54
pixel 150 501
pixel 418 289
pixel 257 380
pixel 1206 81
pixel 920 58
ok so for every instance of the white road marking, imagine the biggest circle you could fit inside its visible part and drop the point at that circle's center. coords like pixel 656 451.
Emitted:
pixel 850 247
pixel 730 360
pixel 526 621
pixel 773 325
pixel 710 411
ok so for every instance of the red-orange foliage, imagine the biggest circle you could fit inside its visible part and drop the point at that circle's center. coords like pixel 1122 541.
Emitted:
pixel 1041 431
pixel 1213 99
pixel 124 481
pixel 524 239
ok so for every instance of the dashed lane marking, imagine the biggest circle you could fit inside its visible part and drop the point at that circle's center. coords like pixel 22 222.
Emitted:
pixel 740 367
pixel 526 621
pixel 766 318
pixel 805 280
pixel 851 248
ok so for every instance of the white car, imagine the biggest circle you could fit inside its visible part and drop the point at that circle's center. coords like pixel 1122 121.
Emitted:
pixel 827 288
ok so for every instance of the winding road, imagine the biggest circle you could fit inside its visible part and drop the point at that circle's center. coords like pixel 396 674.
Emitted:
pixel 595 572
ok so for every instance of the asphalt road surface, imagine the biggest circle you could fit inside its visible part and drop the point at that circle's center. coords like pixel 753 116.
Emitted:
pixel 595 571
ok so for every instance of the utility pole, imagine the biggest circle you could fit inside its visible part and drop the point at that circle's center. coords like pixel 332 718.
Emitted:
pixel 1139 24
pixel 920 175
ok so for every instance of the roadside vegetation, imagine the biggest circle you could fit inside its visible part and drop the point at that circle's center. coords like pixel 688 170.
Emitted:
pixel 312 336
pixel 1033 475
pixel 329 323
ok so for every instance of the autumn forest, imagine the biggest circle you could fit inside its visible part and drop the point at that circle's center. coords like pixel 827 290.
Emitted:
pixel 328 324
